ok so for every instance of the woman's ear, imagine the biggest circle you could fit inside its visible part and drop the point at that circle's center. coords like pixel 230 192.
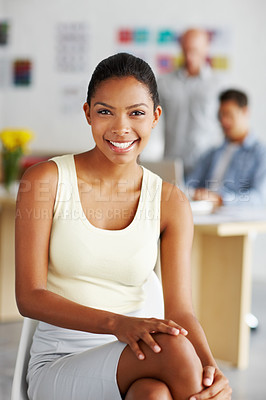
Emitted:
pixel 157 114
pixel 86 109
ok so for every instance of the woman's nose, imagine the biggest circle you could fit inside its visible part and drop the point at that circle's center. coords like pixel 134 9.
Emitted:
pixel 122 131
pixel 120 126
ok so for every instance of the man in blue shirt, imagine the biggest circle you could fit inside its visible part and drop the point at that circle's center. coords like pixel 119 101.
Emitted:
pixel 235 172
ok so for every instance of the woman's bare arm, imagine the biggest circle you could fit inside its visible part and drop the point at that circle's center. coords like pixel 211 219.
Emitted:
pixel 34 215
pixel 176 244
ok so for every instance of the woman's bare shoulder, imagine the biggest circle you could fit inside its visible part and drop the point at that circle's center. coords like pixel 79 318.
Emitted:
pixel 174 197
pixel 39 178
pixel 43 169
pixel 174 205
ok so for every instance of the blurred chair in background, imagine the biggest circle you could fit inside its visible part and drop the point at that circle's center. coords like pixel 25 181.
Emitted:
pixel 171 171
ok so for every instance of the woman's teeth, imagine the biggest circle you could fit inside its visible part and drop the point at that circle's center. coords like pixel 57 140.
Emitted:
pixel 121 145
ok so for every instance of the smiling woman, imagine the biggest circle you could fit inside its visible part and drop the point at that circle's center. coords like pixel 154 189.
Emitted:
pixel 84 269
pixel 121 114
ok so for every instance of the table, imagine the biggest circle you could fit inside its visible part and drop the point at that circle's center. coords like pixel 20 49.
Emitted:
pixel 221 273
pixel 8 308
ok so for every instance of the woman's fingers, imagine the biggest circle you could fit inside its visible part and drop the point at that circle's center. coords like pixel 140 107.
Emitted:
pixel 133 344
pixel 166 327
pixel 207 394
pixel 182 330
pixel 208 375
pixel 149 340
pixel 172 328
pixel 131 330
pixel 156 326
pixel 146 337
pixel 218 390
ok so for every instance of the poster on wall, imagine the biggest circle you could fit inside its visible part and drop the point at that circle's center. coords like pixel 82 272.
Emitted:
pixel 72 52
pixel 4 30
pixel 4 62
pixel 71 57
pixel 161 47
pixel 22 72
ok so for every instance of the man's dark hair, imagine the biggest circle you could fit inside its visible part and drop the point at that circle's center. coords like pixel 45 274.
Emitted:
pixel 240 98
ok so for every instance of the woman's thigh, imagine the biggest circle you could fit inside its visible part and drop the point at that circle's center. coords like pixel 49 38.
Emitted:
pixel 89 375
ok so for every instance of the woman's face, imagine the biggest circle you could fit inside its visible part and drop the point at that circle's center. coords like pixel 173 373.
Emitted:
pixel 121 115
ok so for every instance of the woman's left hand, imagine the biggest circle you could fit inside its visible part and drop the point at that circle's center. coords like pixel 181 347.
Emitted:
pixel 216 386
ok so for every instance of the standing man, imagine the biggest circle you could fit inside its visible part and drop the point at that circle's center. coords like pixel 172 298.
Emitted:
pixel 189 97
pixel 235 172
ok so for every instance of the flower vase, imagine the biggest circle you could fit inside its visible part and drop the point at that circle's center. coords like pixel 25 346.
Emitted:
pixel 11 166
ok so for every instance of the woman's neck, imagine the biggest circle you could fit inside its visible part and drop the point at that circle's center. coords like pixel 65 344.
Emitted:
pixel 94 163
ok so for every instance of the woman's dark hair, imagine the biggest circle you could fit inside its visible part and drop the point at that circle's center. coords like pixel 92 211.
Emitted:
pixel 240 98
pixel 122 65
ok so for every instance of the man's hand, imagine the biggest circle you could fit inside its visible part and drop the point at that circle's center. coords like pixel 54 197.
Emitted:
pixel 205 194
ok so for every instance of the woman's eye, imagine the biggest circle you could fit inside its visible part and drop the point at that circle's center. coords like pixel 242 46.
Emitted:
pixel 137 113
pixel 104 112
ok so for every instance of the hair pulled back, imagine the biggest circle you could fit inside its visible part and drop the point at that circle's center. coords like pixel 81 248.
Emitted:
pixel 122 65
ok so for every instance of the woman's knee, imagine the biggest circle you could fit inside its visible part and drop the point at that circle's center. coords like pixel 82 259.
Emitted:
pixel 148 389
pixel 179 354
pixel 177 365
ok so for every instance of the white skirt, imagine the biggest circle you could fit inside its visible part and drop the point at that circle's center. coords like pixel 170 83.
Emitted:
pixel 69 365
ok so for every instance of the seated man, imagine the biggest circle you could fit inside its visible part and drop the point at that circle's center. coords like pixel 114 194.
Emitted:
pixel 235 172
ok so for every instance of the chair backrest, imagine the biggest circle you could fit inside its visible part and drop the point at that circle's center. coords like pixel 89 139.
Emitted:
pixel 169 170
pixel 19 385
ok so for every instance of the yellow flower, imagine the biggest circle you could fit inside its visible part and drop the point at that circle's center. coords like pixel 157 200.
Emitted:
pixel 14 138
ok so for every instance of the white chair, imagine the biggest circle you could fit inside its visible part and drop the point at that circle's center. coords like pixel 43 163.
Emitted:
pixel 19 385
pixel 154 300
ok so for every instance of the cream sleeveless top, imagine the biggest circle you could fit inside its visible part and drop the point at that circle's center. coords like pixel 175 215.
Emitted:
pixel 99 268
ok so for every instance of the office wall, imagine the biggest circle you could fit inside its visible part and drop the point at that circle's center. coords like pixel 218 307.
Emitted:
pixel 258 258
pixel 33 27
pixel 1 91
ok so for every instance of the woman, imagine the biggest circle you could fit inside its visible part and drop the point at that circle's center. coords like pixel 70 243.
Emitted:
pixel 87 229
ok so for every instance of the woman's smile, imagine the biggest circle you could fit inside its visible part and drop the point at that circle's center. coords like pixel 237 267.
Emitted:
pixel 121 147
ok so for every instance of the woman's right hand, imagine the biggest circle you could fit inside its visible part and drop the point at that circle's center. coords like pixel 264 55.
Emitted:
pixel 130 330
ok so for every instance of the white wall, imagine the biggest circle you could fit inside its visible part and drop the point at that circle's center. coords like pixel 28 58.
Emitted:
pixel 1 89
pixel 259 258
pixel 33 27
